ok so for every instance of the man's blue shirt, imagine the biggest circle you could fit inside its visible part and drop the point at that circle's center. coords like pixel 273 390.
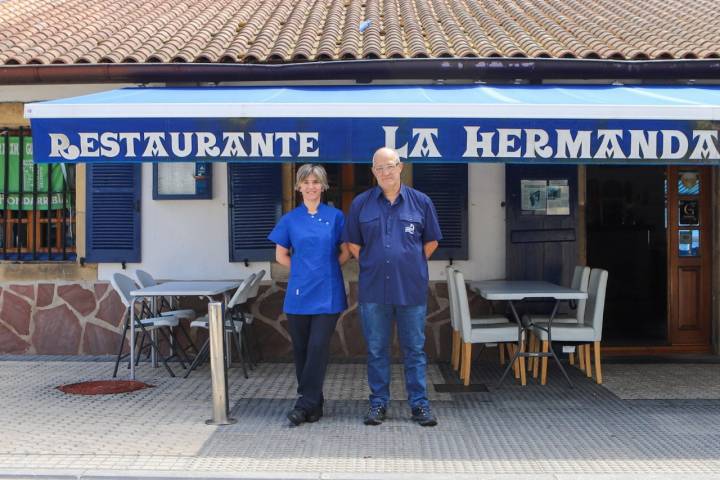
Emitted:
pixel 316 284
pixel 393 267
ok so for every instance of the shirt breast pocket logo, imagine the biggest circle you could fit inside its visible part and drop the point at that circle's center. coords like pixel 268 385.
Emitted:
pixel 412 226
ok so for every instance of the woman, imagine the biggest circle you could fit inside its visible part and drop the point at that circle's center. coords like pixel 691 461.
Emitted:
pixel 315 294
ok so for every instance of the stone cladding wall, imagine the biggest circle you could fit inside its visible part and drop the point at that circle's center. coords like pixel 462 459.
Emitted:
pixel 85 318
pixel 63 318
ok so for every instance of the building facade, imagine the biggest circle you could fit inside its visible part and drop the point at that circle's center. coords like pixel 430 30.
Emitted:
pixel 645 215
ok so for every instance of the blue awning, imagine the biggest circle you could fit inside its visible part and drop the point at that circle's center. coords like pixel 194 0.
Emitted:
pixel 467 123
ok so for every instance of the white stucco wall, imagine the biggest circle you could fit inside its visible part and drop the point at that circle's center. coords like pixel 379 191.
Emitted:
pixel 188 239
pixel 38 93
pixel 486 226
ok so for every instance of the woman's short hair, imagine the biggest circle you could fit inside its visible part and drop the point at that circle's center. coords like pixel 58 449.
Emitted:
pixel 311 169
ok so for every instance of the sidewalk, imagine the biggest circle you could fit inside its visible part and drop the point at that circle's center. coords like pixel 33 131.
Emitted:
pixel 657 421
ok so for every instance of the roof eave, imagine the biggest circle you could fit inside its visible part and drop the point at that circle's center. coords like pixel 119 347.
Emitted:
pixel 365 71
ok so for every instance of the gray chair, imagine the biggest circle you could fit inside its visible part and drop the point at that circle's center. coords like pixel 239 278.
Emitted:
pixel 581 277
pixel 586 333
pixel 233 327
pixel 484 334
pixel 123 285
pixel 452 286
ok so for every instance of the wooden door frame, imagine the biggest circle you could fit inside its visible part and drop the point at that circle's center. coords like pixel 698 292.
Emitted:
pixel 676 336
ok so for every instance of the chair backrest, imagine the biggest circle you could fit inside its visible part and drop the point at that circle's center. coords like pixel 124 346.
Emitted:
pixel 255 286
pixel 596 301
pixel 581 277
pixel 452 297
pixel 463 306
pixel 241 294
pixel 144 278
pixel 123 285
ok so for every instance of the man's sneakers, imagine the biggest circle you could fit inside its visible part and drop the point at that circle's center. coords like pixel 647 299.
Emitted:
pixel 375 415
pixel 424 416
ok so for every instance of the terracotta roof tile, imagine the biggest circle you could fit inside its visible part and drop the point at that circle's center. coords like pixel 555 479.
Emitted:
pixel 309 36
pixel 390 30
pixel 246 30
pixel 77 31
pixel 232 18
pixel 288 36
pixel 327 48
pixel 269 34
pixel 415 45
pixel 351 36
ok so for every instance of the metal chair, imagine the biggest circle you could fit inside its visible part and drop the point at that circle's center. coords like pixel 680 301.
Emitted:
pixel 166 309
pixel 147 280
pixel 484 334
pixel 123 285
pixel 249 337
pixel 233 327
pixel 586 333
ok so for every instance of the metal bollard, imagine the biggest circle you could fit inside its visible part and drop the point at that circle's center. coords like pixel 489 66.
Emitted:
pixel 218 373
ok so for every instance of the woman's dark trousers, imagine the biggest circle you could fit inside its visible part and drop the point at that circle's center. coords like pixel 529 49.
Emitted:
pixel 311 348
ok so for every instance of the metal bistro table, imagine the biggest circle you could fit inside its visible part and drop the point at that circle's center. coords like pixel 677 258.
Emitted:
pixel 207 289
pixel 519 290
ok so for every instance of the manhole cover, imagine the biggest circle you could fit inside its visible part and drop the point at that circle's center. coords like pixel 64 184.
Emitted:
pixel 103 387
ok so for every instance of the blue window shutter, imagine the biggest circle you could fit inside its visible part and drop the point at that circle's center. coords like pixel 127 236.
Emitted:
pixel 113 212
pixel 254 207
pixel 447 186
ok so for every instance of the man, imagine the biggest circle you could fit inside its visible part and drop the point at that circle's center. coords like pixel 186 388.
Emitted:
pixel 393 230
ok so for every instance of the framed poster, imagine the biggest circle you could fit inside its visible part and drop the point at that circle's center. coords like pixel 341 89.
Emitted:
pixel 688 243
pixel 558 197
pixel 545 197
pixel 533 196
pixel 688 213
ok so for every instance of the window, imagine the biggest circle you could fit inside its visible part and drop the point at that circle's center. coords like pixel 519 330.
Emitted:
pixel 445 183
pixel 37 203
pixel 346 180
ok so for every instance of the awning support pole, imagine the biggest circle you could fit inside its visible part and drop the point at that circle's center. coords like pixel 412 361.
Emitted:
pixel 218 372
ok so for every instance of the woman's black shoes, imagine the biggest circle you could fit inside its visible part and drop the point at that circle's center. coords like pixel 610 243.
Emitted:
pixel 298 416
pixel 314 415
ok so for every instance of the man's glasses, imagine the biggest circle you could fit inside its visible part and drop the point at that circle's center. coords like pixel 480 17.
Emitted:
pixel 385 168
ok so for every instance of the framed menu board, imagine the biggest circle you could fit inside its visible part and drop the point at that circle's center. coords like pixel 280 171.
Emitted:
pixel 182 181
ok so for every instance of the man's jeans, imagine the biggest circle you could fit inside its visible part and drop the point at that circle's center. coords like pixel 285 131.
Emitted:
pixel 377 328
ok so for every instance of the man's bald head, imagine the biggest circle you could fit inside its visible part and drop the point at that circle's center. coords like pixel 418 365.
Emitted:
pixel 385 155
pixel 386 168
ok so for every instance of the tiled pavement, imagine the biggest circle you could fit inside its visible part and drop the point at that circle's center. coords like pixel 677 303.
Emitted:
pixel 661 420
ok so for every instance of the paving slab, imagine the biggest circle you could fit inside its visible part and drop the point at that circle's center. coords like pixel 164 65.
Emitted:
pixel 553 431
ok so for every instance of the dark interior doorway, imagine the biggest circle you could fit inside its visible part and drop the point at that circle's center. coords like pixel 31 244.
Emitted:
pixel 626 234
